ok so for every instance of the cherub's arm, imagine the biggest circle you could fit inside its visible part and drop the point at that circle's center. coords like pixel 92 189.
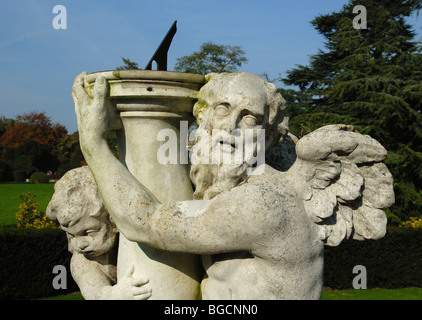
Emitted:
pixel 95 285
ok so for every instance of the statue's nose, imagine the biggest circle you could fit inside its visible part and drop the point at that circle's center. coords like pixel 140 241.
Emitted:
pixel 82 243
pixel 232 122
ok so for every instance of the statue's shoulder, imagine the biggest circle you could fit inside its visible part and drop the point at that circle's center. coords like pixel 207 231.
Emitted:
pixel 266 175
pixel 265 185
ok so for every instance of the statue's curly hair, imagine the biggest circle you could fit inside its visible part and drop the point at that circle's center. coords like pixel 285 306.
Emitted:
pixel 76 195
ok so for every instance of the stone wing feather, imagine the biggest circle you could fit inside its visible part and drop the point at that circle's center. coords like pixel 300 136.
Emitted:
pixel 345 186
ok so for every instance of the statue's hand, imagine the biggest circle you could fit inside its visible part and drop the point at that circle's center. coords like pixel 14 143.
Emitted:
pixel 130 288
pixel 95 115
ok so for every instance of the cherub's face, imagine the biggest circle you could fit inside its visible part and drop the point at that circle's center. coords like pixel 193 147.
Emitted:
pixel 90 236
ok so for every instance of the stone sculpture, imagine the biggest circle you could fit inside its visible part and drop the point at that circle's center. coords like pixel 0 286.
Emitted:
pixel 92 239
pixel 260 228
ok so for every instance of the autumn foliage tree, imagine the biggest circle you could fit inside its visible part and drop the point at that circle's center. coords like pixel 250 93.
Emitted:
pixel 35 126
pixel 29 142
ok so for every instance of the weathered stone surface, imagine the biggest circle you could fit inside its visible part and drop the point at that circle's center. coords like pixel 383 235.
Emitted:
pixel 260 228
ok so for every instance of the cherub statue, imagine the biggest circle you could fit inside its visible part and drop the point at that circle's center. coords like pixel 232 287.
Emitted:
pixel 261 236
pixel 92 239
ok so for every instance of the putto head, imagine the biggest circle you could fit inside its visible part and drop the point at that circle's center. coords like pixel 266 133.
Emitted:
pixel 78 207
pixel 75 196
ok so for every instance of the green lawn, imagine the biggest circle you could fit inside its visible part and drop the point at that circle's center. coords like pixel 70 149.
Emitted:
pixel 374 294
pixel 9 198
pixel 70 296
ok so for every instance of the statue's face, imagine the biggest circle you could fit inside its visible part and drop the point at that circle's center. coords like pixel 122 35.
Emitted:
pixel 233 111
pixel 236 105
pixel 90 236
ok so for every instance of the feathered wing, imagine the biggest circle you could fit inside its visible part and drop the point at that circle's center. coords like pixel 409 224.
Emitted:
pixel 343 183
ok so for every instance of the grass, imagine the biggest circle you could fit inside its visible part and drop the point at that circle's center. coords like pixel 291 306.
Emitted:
pixel 9 198
pixel 327 294
pixel 374 294
pixel 70 296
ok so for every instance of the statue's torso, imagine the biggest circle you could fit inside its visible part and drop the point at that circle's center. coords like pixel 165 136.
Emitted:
pixel 286 265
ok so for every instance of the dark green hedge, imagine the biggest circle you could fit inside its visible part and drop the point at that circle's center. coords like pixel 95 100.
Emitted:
pixel 27 259
pixel 394 261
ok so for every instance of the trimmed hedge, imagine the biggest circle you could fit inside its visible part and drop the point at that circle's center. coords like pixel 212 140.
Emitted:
pixel 27 259
pixel 392 262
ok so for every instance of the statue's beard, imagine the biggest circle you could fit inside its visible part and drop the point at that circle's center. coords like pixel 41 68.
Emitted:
pixel 212 179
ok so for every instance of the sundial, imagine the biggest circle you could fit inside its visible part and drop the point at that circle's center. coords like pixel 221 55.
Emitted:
pixel 160 55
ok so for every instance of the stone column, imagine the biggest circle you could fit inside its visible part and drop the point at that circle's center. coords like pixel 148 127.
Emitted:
pixel 150 101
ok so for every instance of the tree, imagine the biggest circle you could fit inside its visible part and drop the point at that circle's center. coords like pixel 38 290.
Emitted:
pixel 34 126
pixel 212 57
pixel 69 154
pixel 29 141
pixel 4 124
pixel 371 78
pixel 128 65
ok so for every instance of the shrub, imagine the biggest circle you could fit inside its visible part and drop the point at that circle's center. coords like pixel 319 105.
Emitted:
pixel 27 259
pixel 392 262
pixel 19 175
pixel 39 177
pixel 29 216
pixel 413 222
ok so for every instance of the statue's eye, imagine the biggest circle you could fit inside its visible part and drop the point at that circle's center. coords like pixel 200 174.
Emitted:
pixel 222 110
pixel 91 233
pixel 250 120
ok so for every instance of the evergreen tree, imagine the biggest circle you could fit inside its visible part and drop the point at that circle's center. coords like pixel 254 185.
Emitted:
pixel 370 78
pixel 128 65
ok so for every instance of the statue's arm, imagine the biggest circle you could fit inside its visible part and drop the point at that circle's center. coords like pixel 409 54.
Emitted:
pixel 242 219
pixel 95 285
pixel 120 191
pixel 92 282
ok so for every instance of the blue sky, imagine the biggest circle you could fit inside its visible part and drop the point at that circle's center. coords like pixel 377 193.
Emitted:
pixel 39 63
